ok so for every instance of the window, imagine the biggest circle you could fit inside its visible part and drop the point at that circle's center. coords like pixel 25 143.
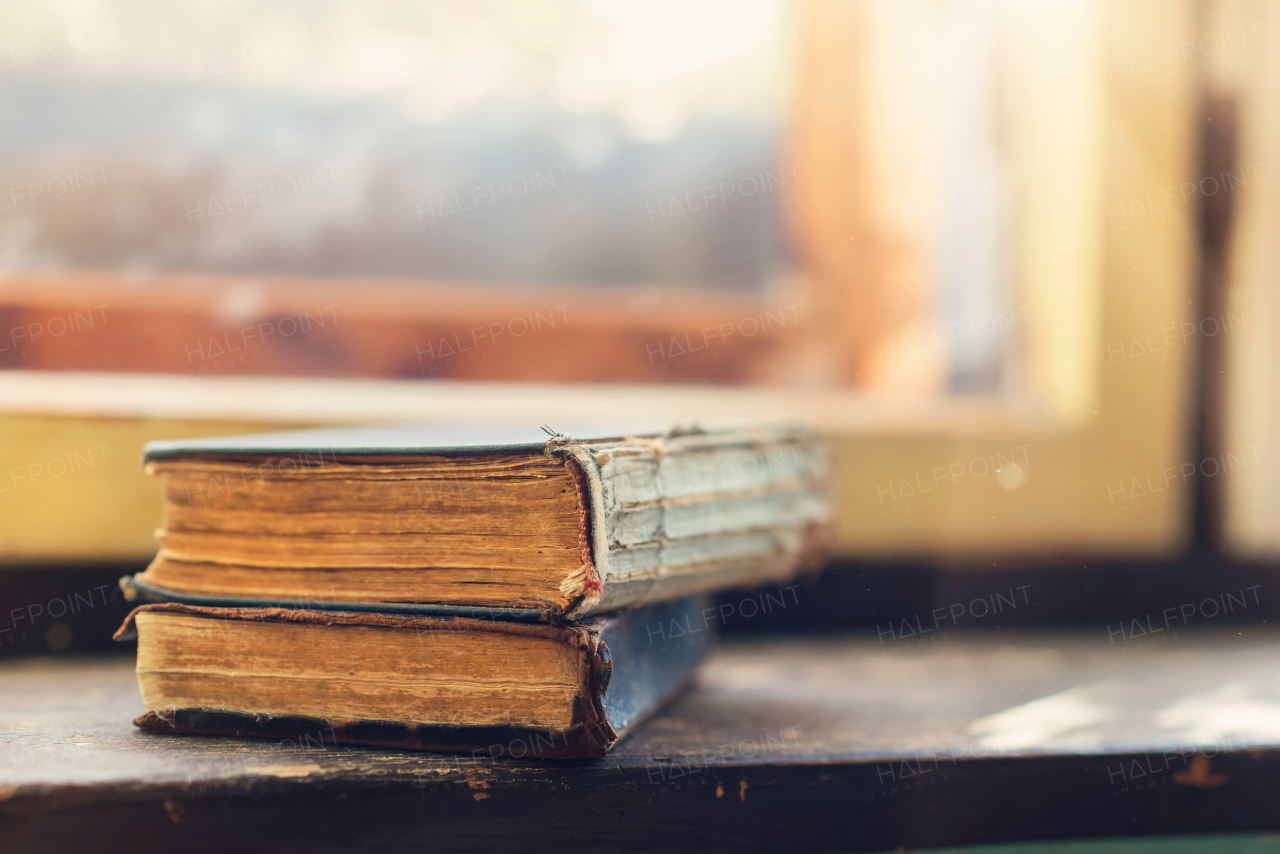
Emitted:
pixel 924 225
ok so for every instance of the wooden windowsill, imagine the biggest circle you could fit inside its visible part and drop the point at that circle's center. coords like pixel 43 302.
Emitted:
pixel 323 401
pixel 783 744
pixel 918 476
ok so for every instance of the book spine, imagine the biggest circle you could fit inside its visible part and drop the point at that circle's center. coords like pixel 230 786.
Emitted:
pixel 683 516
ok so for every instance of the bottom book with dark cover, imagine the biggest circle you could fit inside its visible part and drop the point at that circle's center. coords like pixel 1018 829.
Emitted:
pixel 459 685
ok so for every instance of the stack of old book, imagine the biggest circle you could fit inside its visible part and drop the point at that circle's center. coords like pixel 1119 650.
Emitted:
pixel 525 593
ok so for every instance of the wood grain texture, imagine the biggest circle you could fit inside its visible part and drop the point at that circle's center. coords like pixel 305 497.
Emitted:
pixel 820 745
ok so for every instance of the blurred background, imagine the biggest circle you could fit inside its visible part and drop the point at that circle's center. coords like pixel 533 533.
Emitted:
pixel 671 153
pixel 1016 259
pixel 345 140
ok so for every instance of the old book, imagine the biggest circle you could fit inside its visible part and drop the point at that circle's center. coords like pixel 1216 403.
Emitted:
pixel 470 521
pixel 487 687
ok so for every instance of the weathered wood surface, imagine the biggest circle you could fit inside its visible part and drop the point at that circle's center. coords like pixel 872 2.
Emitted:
pixel 830 744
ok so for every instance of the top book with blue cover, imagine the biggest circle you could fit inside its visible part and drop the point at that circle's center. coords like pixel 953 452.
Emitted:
pixel 476 520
